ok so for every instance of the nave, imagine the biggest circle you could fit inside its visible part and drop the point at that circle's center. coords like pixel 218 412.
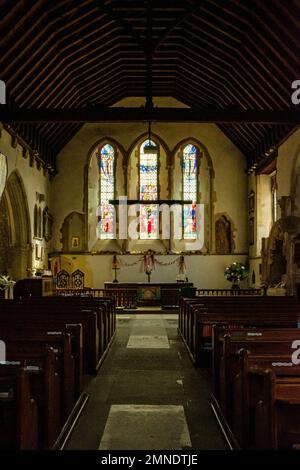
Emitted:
pixel 147 394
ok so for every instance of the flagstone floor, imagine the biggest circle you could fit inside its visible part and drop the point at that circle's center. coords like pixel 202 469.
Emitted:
pixel 147 395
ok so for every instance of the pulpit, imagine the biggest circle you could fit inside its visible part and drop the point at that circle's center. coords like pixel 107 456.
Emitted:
pixel 34 287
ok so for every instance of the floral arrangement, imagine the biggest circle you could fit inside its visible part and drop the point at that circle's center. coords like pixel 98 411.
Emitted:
pixel 236 272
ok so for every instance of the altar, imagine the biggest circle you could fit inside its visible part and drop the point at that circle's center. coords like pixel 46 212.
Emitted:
pixel 164 294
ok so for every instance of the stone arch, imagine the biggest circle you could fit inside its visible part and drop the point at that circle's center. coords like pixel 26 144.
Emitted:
pixel 205 191
pixel 91 190
pixel 103 141
pixel 196 143
pixel 72 231
pixel 140 139
pixel 19 249
pixel 133 189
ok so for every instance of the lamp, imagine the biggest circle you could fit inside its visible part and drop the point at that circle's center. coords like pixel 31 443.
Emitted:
pixel 150 147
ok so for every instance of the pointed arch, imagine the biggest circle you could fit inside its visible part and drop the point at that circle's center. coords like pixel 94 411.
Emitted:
pixel 20 253
pixel 148 189
pixel 107 191
pixel 203 151
pixel 141 138
pixel 92 191
pixel 201 192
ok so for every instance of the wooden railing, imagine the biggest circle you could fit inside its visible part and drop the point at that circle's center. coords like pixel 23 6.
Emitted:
pixel 213 292
pixel 124 298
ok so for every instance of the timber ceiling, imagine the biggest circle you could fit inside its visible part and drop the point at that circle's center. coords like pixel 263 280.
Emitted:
pixel 209 54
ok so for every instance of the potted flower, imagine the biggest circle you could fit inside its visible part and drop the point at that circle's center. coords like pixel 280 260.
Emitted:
pixel 5 283
pixel 235 273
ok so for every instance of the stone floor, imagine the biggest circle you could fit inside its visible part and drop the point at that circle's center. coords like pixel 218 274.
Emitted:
pixel 147 395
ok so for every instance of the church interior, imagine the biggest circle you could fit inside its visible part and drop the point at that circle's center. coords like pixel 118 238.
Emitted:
pixel 149 225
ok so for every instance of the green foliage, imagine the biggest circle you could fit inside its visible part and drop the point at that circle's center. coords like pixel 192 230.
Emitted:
pixel 236 272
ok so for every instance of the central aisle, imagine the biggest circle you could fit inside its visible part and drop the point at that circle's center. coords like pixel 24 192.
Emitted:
pixel 147 395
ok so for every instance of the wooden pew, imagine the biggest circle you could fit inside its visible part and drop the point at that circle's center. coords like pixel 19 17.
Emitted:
pixel 54 318
pixel 46 322
pixel 18 410
pixel 266 399
pixel 275 344
pixel 17 328
pixel 256 333
pixel 198 323
pixel 23 346
pixel 44 388
pixel 104 307
pixel 234 304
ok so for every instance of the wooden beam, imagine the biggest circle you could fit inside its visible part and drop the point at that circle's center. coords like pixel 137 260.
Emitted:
pixel 102 114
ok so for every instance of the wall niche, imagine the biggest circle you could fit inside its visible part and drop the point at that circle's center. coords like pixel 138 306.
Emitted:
pixel 73 239
pixel 223 236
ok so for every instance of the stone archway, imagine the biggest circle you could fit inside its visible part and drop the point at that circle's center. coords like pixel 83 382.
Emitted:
pixel 281 254
pixel 15 234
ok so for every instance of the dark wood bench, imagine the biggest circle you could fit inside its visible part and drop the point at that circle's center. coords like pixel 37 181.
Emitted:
pixel 273 343
pixel 266 398
pixel 45 388
pixel 25 347
pixel 104 307
pixel 196 329
pixel 235 304
pixel 56 318
pixel 18 410
pixel 74 332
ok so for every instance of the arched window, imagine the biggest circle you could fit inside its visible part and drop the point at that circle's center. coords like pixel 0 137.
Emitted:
pixel 149 221
pixel 189 190
pixel 106 225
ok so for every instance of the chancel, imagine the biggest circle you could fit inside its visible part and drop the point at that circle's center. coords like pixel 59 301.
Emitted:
pixel 149 226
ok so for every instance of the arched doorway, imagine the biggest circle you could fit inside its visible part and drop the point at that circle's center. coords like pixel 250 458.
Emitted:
pixel 15 233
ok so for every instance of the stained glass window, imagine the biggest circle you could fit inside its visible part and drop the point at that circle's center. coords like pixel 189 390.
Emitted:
pixel 106 217
pixel 148 190
pixel 189 170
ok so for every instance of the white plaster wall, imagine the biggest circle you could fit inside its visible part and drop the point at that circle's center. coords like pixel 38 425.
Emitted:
pixel 205 271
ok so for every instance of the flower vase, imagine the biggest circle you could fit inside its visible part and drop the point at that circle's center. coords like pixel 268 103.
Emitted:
pixel 236 284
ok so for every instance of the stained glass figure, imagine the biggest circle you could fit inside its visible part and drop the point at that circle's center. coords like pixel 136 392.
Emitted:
pixel 106 217
pixel 148 191
pixel 189 170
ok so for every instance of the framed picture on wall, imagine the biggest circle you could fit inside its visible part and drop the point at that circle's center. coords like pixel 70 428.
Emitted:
pixel 75 242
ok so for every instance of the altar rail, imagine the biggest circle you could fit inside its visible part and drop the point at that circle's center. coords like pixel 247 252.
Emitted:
pixel 128 298
pixel 225 292
pixel 124 298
